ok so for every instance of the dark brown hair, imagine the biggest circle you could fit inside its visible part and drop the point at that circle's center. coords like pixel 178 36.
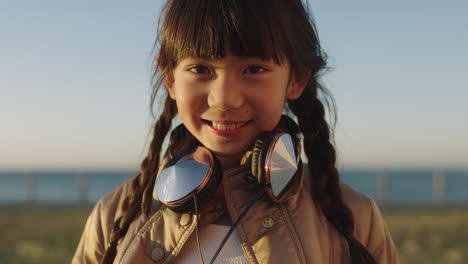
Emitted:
pixel 270 29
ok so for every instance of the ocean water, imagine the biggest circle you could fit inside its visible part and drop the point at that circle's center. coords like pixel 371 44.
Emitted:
pixel 410 186
pixel 66 187
pixel 59 187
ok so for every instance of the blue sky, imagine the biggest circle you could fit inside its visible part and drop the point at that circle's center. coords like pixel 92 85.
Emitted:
pixel 75 82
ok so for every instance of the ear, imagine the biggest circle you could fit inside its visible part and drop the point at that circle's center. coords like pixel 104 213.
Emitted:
pixel 167 80
pixel 169 83
pixel 295 88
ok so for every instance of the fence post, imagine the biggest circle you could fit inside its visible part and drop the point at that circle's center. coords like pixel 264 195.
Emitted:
pixel 31 188
pixel 383 188
pixel 438 187
pixel 83 188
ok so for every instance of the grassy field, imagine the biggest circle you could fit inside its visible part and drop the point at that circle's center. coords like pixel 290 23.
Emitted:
pixel 424 235
pixel 40 234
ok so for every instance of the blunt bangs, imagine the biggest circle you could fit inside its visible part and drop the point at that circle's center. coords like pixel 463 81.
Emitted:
pixel 207 28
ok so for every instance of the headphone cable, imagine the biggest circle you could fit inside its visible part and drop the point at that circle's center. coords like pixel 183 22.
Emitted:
pixel 196 229
pixel 239 218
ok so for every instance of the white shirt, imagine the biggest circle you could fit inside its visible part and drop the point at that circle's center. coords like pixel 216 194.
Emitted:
pixel 210 238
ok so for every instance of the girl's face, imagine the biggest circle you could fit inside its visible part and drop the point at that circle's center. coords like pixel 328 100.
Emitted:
pixel 227 103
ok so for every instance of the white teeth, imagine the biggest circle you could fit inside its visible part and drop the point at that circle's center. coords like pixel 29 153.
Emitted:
pixel 227 127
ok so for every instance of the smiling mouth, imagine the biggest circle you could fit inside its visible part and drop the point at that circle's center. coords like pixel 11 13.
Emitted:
pixel 226 125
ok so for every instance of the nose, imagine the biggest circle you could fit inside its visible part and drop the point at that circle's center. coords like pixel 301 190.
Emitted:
pixel 225 94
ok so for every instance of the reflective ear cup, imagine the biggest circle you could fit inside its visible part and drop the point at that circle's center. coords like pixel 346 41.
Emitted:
pixel 274 163
pixel 207 192
pixel 197 172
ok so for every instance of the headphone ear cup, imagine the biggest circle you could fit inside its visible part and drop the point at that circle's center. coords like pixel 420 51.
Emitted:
pixel 195 173
pixel 259 153
pixel 274 162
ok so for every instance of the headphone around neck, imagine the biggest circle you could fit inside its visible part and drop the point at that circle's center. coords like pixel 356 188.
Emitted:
pixel 196 173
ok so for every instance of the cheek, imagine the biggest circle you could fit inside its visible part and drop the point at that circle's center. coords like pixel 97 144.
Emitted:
pixel 190 104
pixel 187 94
pixel 269 112
pixel 186 106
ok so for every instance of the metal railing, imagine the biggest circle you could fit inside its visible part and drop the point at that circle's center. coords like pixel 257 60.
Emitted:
pixel 383 190
pixel 438 188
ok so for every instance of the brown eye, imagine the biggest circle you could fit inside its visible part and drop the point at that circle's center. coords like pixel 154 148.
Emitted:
pixel 199 69
pixel 254 69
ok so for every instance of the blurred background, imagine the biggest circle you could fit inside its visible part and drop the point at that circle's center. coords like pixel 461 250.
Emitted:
pixel 75 82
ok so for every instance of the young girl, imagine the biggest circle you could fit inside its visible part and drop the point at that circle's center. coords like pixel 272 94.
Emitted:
pixel 234 70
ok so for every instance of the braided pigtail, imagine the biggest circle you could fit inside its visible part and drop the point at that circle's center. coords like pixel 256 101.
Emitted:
pixel 324 175
pixel 180 141
pixel 140 199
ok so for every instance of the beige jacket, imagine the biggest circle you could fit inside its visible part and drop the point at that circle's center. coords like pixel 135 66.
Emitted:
pixel 298 232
